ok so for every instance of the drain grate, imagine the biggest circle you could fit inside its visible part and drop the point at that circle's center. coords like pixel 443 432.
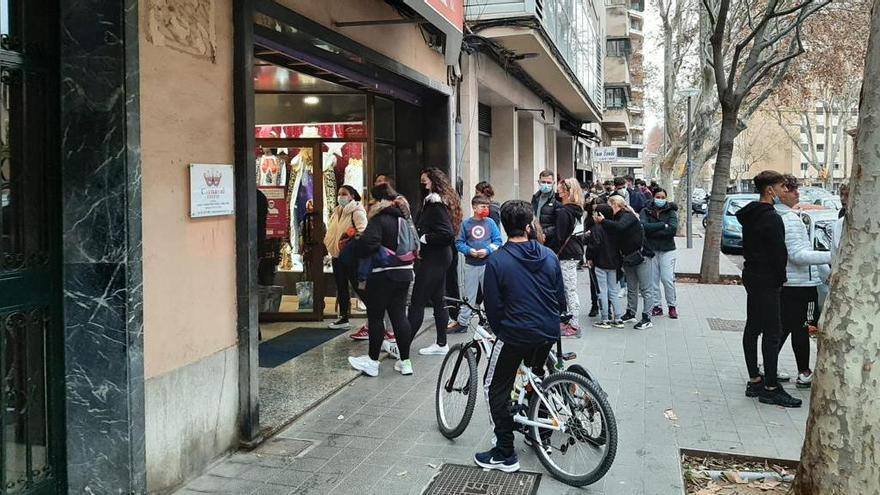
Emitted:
pixel 455 479
pixel 284 447
pixel 720 325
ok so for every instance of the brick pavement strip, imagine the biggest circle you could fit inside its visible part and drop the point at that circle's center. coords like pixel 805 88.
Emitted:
pixel 388 441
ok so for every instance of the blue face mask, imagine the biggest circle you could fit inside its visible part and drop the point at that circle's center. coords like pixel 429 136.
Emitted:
pixel 776 200
pixel 660 203
pixel 343 200
pixel 546 188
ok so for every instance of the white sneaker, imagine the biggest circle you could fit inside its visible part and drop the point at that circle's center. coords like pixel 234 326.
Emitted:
pixel 404 367
pixel 804 381
pixel 391 349
pixel 781 376
pixel 365 365
pixel 434 350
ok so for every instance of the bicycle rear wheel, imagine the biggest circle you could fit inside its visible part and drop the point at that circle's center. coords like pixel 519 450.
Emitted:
pixel 583 452
pixel 457 390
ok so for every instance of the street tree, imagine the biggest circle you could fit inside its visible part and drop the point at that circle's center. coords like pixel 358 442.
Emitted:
pixel 770 38
pixel 840 453
pixel 818 99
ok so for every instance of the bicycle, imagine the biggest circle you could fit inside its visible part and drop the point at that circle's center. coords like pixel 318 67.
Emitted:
pixel 567 406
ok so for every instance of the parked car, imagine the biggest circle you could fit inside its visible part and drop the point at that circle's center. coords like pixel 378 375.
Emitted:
pixel 698 194
pixel 731 230
pixel 810 194
pixel 830 202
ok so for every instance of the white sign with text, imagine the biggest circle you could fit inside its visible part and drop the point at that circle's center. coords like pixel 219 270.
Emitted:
pixel 606 154
pixel 212 191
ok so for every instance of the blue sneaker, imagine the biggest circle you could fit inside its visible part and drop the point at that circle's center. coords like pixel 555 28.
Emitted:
pixel 494 459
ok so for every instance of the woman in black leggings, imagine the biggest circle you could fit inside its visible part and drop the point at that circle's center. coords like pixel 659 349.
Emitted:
pixel 388 282
pixel 438 220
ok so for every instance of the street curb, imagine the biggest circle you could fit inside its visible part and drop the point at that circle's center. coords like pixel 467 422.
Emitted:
pixel 723 277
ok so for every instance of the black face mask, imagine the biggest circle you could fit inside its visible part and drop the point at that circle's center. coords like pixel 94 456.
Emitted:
pixel 531 233
pixel 424 189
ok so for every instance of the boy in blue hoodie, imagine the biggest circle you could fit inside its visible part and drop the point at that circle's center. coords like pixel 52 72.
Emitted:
pixel 478 238
pixel 524 297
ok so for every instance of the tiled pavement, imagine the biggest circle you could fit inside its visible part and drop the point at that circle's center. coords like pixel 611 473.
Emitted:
pixel 379 435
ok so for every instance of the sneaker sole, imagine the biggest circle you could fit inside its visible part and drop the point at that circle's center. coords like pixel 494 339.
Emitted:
pixel 803 385
pixel 643 327
pixel 393 341
pixel 358 337
pixel 763 400
pixel 498 467
pixel 362 370
pixel 401 371
pixel 432 353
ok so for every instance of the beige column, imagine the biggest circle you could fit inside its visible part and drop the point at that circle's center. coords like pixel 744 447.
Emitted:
pixel 550 147
pixel 503 154
pixel 532 153
pixel 470 135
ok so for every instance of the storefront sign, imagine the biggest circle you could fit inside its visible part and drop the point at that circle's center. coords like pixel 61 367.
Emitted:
pixel 447 16
pixel 277 218
pixel 211 190
pixel 607 154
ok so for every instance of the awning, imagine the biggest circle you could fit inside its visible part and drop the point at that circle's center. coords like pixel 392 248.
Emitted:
pixel 448 17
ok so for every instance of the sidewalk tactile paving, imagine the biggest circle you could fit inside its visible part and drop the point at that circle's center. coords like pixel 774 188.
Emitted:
pixel 455 479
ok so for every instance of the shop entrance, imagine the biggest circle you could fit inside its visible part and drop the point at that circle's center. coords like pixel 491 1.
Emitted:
pixel 31 345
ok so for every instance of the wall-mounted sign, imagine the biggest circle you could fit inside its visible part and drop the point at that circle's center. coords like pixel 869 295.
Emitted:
pixel 212 192
pixel 606 154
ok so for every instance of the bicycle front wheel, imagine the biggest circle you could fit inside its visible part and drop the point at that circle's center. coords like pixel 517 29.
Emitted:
pixel 457 391
pixel 582 452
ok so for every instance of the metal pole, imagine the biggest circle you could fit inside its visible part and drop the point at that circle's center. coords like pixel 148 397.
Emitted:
pixel 690 226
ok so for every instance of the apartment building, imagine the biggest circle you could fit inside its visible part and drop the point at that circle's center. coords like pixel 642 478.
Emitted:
pixel 623 123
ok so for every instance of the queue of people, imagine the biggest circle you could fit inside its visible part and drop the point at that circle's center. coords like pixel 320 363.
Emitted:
pixel 398 262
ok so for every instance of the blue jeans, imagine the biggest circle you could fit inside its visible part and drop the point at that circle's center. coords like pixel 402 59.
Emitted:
pixel 663 271
pixel 609 293
pixel 473 279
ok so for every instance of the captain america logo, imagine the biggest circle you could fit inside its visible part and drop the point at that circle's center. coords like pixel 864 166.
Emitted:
pixel 478 232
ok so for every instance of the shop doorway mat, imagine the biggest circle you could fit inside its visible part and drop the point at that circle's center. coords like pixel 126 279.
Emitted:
pixel 720 325
pixel 456 479
pixel 281 349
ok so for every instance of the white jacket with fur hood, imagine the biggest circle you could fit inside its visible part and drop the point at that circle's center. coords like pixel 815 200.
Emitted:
pixel 802 269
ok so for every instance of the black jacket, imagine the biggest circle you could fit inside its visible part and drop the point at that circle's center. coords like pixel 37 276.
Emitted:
pixel 566 246
pixel 660 225
pixel 601 249
pixel 435 223
pixel 547 215
pixel 626 231
pixel 763 246
pixel 381 231
pixel 495 212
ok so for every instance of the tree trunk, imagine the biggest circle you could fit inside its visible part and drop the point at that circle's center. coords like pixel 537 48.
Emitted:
pixel 720 178
pixel 841 453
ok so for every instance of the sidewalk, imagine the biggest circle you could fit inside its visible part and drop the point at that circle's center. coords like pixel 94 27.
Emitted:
pixel 379 435
pixel 688 260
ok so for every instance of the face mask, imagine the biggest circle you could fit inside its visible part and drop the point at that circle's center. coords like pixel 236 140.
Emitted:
pixel 482 213
pixel 776 200
pixel 661 203
pixel 546 188
pixel 343 200
pixel 425 188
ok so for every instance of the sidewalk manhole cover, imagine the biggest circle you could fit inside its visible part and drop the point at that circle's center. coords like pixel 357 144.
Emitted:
pixel 284 447
pixel 455 479
pixel 720 325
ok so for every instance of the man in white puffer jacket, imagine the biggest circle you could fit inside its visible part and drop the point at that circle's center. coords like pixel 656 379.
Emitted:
pixel 799 297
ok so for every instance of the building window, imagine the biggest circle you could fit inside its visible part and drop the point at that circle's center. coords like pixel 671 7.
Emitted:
pixel 820 129
pixel 628 152
pixel 635 24
pixel 615 98
pixel 820 147
pixel 820 110
pixel 805 166
pixel 618 47
pixel 834 129
pixel 803 129
pixel 805 148
pixel 836 166
pixel 637 5
pixel 484 119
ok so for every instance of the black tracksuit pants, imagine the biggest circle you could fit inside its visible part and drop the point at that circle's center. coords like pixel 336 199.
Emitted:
pixel 762 319
pixel 500 377
pixel 430 286
pixel 386 292
pixel 343 278
pixel 798 307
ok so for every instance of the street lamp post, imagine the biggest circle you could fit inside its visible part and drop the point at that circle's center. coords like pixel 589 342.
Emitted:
pixel 690 93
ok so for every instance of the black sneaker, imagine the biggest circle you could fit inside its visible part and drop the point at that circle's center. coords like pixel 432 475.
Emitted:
pixel 594 312
pixel 754 389
pixel 778 396
pixel 340 324
pixel 644 324
pixel 494 459
pixel 628 316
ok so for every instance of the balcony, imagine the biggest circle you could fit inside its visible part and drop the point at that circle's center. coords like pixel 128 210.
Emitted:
pixel 616 123
pixel 617 70
pixel 557 43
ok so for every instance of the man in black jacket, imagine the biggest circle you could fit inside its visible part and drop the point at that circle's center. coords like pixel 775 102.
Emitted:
pixel 545 203
pixel 763 275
